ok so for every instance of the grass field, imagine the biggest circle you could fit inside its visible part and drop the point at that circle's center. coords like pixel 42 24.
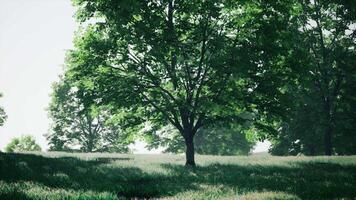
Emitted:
pixel 117 176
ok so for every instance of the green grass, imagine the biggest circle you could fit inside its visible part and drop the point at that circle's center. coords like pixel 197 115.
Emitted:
pixel 118 176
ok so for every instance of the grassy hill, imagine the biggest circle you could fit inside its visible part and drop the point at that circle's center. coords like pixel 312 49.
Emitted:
pixel 117 176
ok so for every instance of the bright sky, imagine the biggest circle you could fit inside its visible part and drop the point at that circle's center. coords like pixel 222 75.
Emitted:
pixel 34 35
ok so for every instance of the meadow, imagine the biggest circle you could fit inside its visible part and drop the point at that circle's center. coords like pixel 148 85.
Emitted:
pixel 119 176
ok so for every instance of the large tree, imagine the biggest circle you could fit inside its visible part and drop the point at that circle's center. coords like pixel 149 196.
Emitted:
pixel 2 114
pixel 185 63
pixel 81 124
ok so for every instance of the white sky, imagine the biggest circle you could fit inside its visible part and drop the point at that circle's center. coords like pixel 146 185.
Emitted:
pixel 34 35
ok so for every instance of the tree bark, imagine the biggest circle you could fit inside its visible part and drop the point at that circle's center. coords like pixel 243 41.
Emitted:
pixel 329 129
pixel 90 146
pixel 328 141
pixel 189 153
pixel 312 150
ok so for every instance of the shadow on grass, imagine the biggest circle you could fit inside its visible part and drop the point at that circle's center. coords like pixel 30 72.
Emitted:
pixel 307 180
pixel 95 175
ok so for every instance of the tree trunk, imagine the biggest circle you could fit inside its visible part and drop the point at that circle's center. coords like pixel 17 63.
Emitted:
pixel 189 153
pixel 329 128
pixel 312 150
pixel 90 148
pixel 90 144
pixel 327 140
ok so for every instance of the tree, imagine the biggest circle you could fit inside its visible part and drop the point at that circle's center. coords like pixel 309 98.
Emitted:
pixel 81 124
pixel 324 52
pixel 23 144
pixel 218 140
pixel 173 62
pixel 2 114
pixel 329 34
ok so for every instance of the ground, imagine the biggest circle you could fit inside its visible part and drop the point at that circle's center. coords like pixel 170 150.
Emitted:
pixel 117 176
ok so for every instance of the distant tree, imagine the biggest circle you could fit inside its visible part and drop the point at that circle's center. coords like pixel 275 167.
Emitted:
pixel 82 124
pixel 218 140
pixel 23 144
pixel 2 114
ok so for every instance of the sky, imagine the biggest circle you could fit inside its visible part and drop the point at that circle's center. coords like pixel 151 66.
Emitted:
pixel 34 36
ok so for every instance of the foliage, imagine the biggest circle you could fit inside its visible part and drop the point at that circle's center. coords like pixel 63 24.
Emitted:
pixel 2 114
pixel 81 123
pixel 114 176
pixel 23 144
pixel 321 119
pixel 218 140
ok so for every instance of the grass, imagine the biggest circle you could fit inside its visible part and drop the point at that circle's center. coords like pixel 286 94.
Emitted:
pixel 117 176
